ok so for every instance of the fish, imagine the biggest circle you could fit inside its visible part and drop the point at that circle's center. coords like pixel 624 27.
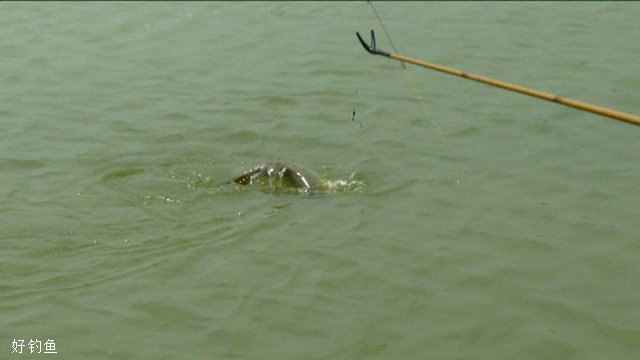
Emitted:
pixel 280 175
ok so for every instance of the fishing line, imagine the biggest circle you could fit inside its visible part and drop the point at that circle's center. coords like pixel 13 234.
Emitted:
pixel 385 30
pixel 405 72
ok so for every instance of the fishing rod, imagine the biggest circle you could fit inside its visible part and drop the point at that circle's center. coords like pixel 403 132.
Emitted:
pixel 614 114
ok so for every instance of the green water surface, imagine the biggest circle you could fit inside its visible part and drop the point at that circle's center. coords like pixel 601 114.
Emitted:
pixel 489 225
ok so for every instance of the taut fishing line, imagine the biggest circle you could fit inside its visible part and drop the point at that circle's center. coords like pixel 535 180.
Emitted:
pixel 419 95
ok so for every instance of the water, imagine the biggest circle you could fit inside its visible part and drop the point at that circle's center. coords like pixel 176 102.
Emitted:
pixel 489 224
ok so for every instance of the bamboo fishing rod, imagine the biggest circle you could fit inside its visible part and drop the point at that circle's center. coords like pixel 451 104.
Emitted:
pixel 614 114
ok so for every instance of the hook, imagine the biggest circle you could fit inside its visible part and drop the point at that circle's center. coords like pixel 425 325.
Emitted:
pixel 372 49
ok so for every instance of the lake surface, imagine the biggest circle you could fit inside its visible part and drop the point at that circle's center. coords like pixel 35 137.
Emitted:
pixel 485 224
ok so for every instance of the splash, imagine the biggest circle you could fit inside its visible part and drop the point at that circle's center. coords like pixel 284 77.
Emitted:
pixel 348 185
pixel 284 178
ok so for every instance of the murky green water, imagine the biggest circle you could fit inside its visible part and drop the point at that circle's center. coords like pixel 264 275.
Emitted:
pixel 490 225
